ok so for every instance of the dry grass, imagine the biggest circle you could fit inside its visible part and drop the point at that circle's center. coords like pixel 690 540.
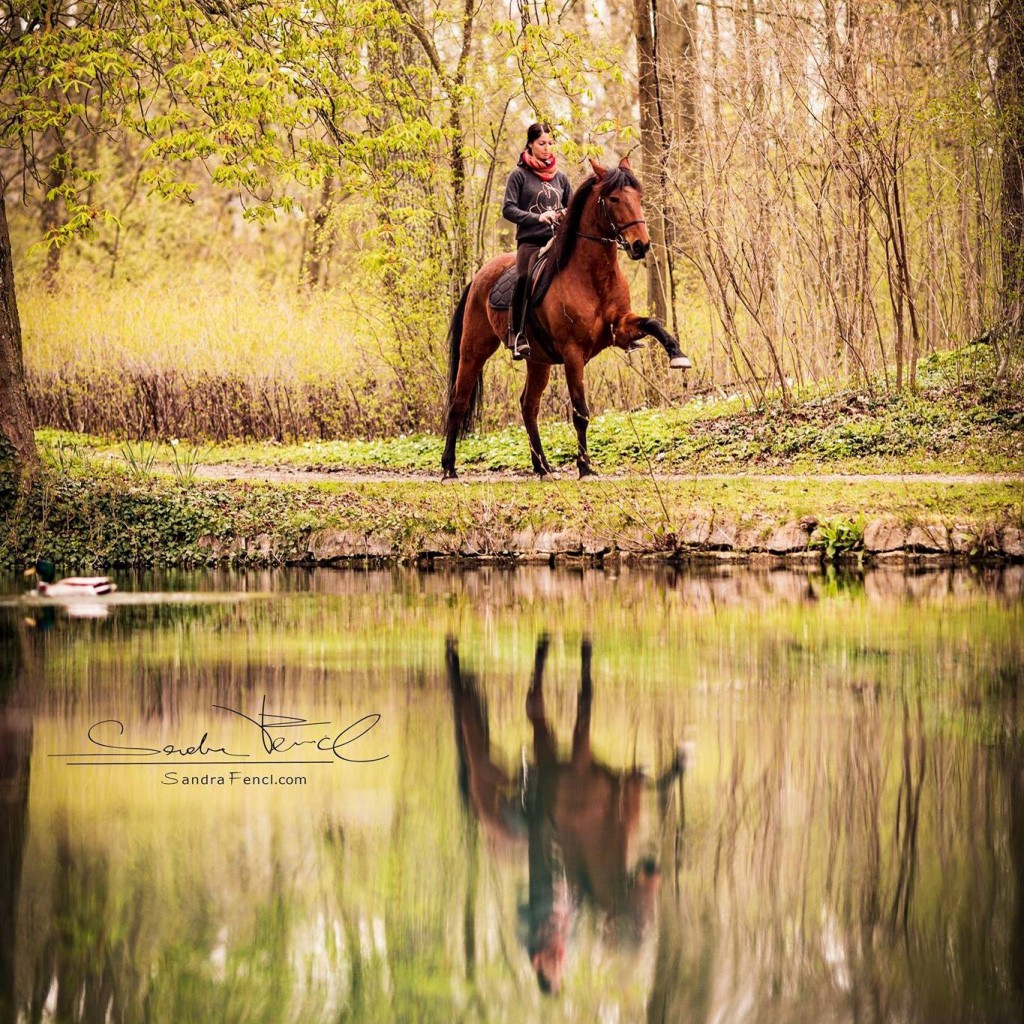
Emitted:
pixel 210 351
pixel 203 321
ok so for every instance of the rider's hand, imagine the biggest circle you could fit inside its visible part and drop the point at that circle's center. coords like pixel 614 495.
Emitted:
pixel 549 217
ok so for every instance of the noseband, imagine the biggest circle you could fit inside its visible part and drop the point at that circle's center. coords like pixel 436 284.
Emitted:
pixel 615 238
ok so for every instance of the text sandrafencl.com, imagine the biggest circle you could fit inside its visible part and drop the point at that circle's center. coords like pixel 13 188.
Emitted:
pixel 173 778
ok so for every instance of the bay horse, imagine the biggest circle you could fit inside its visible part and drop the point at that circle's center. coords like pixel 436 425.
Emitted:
pixel 576 816
pixel 585 310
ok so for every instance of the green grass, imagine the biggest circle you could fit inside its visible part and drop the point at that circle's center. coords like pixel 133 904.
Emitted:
pixel 234 323
pixel 956 423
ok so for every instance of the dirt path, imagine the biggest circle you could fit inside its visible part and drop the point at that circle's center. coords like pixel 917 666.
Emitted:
pixel 284 475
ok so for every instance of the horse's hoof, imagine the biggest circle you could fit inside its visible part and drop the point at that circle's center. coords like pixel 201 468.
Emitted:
pixel 449 475
pixel 680 363
pixel 586 472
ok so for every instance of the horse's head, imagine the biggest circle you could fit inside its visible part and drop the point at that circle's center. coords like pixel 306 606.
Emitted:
pixel 620 208
pixel 548 941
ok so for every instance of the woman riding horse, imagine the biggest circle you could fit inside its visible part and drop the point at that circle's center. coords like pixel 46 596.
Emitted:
pixel 536 195
pixel 585 310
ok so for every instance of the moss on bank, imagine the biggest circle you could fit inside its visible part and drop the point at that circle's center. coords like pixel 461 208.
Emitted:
pixel 101 521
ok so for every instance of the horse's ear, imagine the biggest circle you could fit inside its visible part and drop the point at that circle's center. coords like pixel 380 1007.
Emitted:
pixel 599 171
pixel 624 164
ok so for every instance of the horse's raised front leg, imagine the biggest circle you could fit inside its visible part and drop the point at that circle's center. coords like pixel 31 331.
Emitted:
pixel 580 412
pixel 537 375
pixel 632 327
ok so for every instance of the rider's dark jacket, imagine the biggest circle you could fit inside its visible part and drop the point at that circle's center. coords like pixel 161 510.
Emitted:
pixel 527 197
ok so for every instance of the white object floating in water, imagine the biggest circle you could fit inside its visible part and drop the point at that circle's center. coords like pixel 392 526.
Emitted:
pixel 72 586
pixel 77 586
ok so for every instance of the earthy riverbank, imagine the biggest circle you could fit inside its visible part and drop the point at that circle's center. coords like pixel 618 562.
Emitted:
pixel 864 475
pixel 100 522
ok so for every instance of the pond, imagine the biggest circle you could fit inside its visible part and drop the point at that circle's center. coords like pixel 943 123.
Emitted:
pixel 730 795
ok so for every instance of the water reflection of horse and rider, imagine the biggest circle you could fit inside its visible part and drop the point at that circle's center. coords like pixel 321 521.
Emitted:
pixel 576 817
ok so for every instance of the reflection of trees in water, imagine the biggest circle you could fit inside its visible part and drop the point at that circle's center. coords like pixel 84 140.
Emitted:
pixel 1011 757
pixel 854 852
pixel 83 941
pixel 156 656
pixel 858 850
pixel 866 865
pixel 78 973
pixel 684 953
pixel 908 816
pixel 103 946
pixel 388 594
pixel 15 762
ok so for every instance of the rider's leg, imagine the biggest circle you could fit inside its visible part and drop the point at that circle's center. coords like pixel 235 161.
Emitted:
pixel 520 302
pixel 517 318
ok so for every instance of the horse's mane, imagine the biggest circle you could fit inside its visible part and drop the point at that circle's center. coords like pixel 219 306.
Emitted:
pixel 565 238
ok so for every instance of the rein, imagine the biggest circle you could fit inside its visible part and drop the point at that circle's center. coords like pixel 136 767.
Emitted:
pixel 616 236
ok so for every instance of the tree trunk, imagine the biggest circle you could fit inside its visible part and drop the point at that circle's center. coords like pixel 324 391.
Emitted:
pixel 1010 87
pixel 675 48
pixel 651 131
pixel 53 213
pixel 17 445
pixel 461 260
pixel 320 239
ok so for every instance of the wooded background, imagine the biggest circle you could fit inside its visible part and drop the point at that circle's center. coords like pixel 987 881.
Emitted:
pixel 253 219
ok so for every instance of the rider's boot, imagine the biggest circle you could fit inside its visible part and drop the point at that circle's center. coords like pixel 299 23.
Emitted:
pixel 518 343
pixel 521 346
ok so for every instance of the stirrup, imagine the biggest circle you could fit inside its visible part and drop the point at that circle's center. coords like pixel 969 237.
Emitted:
pixel 520 346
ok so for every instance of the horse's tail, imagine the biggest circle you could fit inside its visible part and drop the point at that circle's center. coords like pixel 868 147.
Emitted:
pixel 454 354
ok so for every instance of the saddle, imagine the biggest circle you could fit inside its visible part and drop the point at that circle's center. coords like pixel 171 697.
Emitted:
pixel 541 274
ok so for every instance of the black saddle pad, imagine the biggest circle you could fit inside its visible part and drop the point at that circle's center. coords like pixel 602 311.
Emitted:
pixel 540 278
pixel 501 293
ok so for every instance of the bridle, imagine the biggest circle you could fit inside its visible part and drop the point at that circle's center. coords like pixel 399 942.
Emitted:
pixel 615 238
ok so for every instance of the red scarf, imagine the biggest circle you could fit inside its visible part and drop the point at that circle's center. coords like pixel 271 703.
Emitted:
pixel 544 169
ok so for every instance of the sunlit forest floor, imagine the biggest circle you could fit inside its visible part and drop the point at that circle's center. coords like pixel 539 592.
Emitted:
pixel 956 423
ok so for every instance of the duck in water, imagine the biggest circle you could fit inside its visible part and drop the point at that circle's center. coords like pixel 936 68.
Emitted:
pixel 47 584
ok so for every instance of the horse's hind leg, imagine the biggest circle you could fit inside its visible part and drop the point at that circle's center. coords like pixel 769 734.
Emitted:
pixel 537 375
pixel 544 748
pixel 486 788
pixel 471 365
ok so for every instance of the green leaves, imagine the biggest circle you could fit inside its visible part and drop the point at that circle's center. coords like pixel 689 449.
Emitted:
pixel 139 458
pixel 839 537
